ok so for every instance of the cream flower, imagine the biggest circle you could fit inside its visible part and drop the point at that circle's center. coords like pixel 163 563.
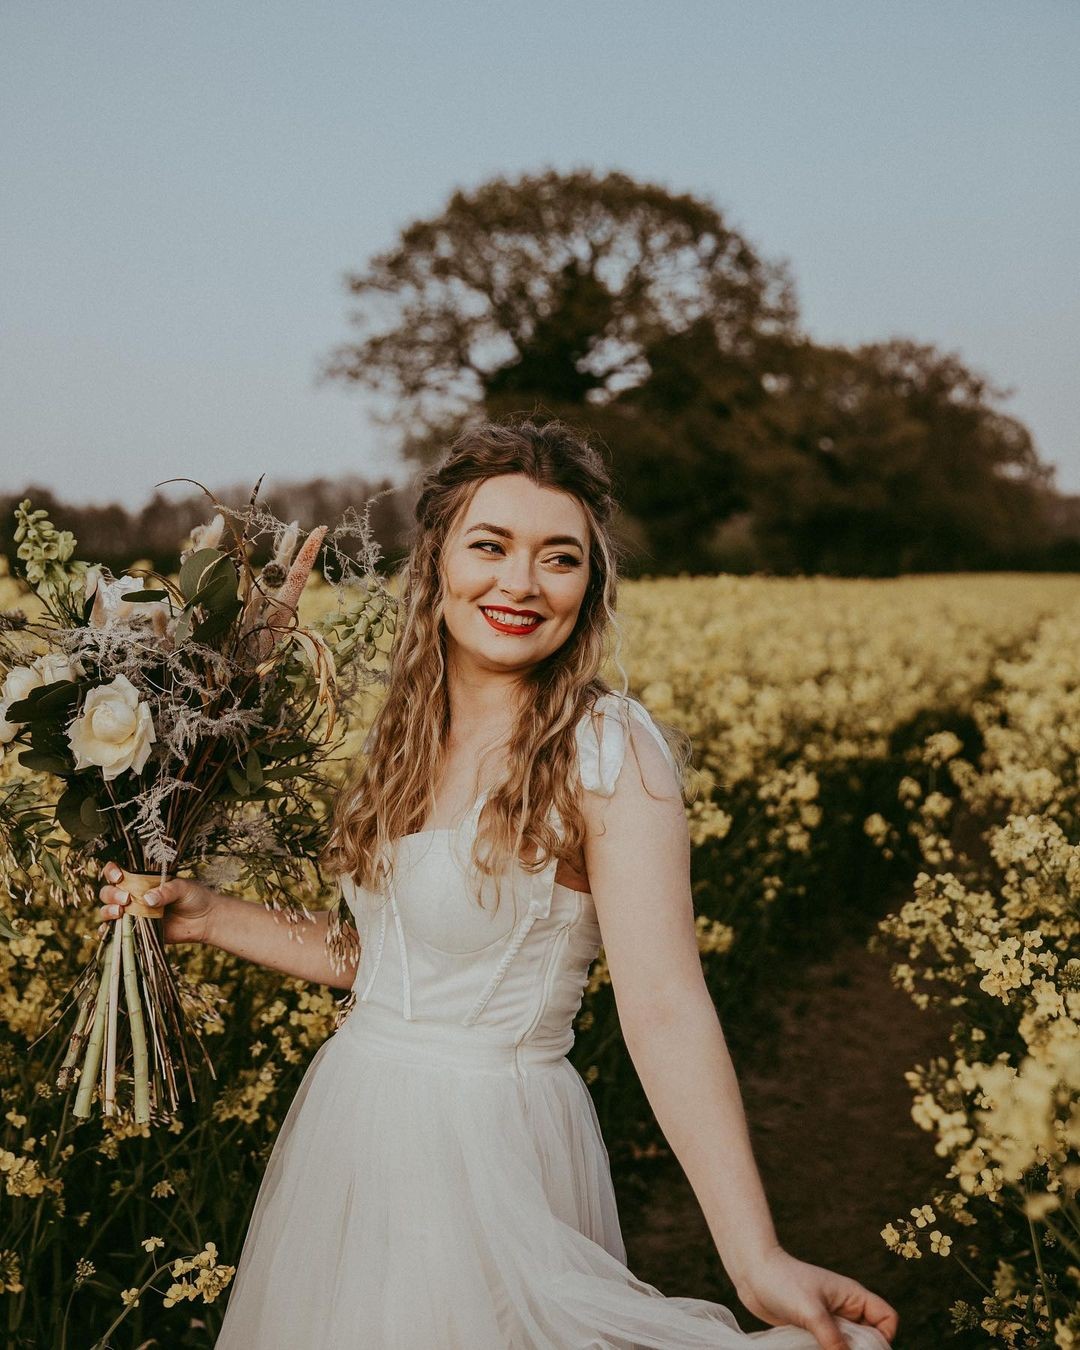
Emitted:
pixel 109 608
pixel 22 680
pixel 55 666
pixel 8 730
pixel 114 731
pixel 19 681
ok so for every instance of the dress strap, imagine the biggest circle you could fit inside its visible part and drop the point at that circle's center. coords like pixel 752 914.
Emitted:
pixel 603 735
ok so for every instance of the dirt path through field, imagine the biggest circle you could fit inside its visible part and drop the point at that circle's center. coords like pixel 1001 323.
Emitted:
pixel 840 1156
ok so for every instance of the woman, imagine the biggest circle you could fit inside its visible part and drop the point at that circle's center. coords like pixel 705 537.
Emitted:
pixel 440 1180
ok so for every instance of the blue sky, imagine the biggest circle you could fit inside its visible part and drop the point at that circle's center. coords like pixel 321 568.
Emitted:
pixel 186 183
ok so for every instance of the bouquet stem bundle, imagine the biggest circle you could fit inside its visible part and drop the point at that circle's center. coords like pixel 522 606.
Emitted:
pixel 132 954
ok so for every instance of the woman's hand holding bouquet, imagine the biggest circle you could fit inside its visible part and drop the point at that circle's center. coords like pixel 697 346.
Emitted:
pixel 185 906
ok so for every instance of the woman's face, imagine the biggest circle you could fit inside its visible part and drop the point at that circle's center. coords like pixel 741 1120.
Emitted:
pixel 519 548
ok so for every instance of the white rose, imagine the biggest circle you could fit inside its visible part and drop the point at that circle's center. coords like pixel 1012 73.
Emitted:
pixel 17 684
pixel 19 681
pixel 114 731
pixel 110 608
pixel 57 666
pixel 8 730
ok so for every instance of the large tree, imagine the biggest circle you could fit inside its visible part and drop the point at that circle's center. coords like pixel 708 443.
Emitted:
pixel 891 457
pixel 554 289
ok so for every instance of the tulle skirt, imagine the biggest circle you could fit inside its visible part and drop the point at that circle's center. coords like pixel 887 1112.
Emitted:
pixel 430 1189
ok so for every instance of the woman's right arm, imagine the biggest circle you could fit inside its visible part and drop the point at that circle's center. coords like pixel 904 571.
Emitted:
pixel 192 912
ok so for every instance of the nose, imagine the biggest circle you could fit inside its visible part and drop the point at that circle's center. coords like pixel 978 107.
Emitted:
pixel 518 582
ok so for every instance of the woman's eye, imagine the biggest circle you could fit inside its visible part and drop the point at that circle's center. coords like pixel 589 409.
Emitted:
pixel 567 558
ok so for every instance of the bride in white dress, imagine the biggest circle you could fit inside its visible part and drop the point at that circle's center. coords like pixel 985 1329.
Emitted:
pixel 440 1181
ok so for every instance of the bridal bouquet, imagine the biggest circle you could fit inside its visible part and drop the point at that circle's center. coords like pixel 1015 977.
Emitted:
pixel 170 724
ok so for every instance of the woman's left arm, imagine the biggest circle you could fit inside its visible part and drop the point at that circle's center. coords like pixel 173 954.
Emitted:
pixel 637 855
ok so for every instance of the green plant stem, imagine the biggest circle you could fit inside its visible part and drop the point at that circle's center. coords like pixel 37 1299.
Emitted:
pixel 92 1059
pixel 135 858
pixel 112 1023
pixel 1037 1248
pixel 103 1341
pixel 136 1025
pixel 78 1034
pixel 969 1272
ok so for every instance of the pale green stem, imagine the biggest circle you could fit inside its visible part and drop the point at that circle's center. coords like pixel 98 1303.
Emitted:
pixel 92 1060
pixel 136 1026
pixel 103 1342
pixel 112 1019
pixel 78 1036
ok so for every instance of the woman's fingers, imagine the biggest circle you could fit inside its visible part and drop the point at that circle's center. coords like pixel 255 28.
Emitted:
pixel 115 900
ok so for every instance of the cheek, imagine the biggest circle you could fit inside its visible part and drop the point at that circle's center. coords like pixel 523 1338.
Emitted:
pixel 571 600
pixel 460 579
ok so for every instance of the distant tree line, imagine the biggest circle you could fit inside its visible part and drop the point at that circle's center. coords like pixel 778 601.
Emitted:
pixel 737 443
pixel 117 537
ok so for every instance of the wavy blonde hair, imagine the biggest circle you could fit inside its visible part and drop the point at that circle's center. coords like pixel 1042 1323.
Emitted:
pixel 393 790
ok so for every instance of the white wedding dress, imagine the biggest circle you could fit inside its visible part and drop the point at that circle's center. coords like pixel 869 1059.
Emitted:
pixel 440 1181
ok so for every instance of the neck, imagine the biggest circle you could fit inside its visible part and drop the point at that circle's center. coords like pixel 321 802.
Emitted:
pixel 483 704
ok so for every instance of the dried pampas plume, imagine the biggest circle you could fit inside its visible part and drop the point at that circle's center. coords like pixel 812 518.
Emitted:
pixel 205 536
pixel 282 605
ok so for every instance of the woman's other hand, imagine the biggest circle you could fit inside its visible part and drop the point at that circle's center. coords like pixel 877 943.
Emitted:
pixel 185 905
pixel 783 1290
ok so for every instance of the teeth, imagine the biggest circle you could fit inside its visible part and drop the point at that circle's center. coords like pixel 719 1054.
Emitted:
pixel 501 616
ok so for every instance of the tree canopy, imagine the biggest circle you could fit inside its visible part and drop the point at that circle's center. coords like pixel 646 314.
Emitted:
pixel 552 287
pixel 643 317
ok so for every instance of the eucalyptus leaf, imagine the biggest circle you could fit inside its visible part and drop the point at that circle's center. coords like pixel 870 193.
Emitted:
pixel 283 771
pixel 193 571
pixel 217 622
pixel 92 817
pixel 184 624
pixel 287 749
pixel 69 809
pixel 43 702
pixel 218 587
pixel 45 763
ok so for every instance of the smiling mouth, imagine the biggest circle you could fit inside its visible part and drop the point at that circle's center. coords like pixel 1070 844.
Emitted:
pixel 504 621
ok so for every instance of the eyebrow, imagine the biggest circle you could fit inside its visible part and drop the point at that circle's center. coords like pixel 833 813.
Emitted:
pixel 504 533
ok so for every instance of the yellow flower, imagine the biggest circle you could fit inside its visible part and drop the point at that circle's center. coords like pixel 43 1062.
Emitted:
pixel 150 1243
pixel 175 1292
pixel 130 1297
pixel 162 1188
pixel 210 1283
pixel 940 1243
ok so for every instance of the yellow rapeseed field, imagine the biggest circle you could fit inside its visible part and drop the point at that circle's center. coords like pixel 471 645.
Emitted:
pixel 962 693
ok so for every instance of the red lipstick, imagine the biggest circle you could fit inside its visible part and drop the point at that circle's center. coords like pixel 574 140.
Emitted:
pixel 515 629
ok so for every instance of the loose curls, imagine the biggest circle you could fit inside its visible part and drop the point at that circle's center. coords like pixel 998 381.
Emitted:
pixel 392 791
